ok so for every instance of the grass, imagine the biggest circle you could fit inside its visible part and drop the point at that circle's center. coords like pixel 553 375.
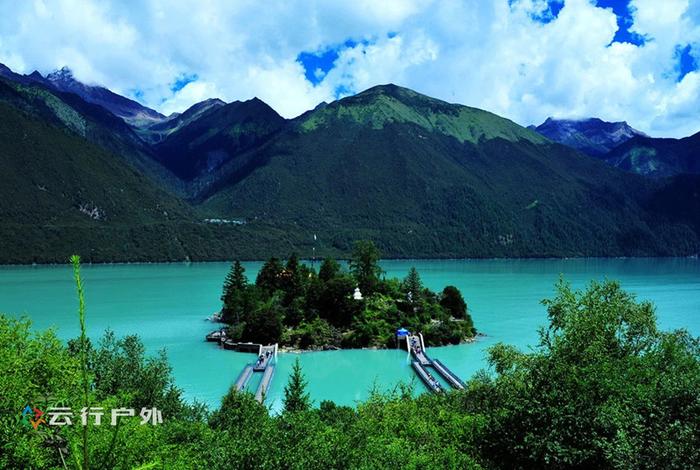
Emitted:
pixel 381 106
pixel 75 261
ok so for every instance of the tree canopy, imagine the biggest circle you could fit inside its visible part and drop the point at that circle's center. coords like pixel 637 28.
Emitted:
pixel 364 266
pixel 293 305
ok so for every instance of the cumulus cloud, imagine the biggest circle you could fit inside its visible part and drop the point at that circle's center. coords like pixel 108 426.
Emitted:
pixel 522 59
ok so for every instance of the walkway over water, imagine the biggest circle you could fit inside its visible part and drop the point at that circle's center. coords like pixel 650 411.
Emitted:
pixel 265 354
pixel 426 377
pixel 264 386
pixel 265 363
pixel 244 378
pixel 448 375
pixel 420 363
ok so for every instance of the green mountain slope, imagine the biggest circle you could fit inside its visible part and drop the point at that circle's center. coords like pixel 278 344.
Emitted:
pixel 657 157
pixel 89 121
pixel 80 181
pixel 157 132
pixel 419 176
pixel 384 105
pixel 217 137
pixel 426 178
pixel 61 195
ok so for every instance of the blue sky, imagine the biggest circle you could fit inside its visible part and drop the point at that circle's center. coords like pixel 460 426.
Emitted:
pixel 318 63
pixel 623 11
pixel 633 60
pixel 182 81
pixel 686 62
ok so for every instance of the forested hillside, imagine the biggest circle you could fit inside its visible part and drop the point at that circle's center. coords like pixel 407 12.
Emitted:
pixel 418 176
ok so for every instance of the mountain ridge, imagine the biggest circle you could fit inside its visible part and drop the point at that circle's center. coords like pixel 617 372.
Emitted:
pixel 391 103
pixel 131 111
pixel 592 136
pixel 657 157
pixel 419 176
pixel 158 131
pixel 489 193
pixel 217 137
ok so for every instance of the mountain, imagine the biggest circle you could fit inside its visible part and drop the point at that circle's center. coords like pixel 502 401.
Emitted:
pixel 129 110
pixel 63 80
pixel 219 135
pixel 7 73
pixel 90 121
pixel 61 194
pixel 424 177
pixel 158 131
pixel 657 157
pixel 592 136
pixel 74 181
pixel 419 176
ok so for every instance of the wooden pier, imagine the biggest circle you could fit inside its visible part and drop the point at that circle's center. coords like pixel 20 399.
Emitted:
pixel 420 363
pixel 417 349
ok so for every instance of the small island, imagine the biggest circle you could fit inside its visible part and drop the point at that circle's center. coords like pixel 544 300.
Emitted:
pixel 292 305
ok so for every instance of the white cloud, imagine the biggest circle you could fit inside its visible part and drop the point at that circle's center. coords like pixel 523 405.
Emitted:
pixel 486 54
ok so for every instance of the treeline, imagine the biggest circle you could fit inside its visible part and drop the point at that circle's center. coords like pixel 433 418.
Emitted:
pixel 293 305
pixel 602 389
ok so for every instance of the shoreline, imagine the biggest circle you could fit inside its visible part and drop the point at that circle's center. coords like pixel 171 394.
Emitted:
pixel 305 260
pixel 291 350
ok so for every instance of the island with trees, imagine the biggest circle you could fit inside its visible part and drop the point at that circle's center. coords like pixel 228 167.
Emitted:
pixel 293 305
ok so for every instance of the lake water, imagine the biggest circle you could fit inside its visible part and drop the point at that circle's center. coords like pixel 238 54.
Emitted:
pixel 166 305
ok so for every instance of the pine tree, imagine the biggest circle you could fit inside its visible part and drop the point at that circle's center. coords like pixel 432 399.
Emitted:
pixel 364 266
pixel 329 269
pixel 452 301
pixel 234 286
pixel 235 280
pixel 413 284
pixel 293 264
pixel 270 276
pixel 292 281
pixel 295 396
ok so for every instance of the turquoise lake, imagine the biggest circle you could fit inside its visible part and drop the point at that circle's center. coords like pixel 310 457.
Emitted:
pixel 166 304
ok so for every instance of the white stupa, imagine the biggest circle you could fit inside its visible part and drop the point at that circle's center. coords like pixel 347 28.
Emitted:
pixel 357 295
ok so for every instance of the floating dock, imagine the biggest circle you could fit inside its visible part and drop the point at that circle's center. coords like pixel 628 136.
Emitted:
pixel 244 378
pixel 265 355
pixel 217 336
pixel 420 363
pixel 448 375
pixel 265 363
pixel 265 383
pixel 426 377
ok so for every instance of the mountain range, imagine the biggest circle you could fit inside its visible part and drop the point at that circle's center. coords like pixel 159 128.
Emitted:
pixel 622 146
pixel 592 136
pixel 92 172
pixel 657 157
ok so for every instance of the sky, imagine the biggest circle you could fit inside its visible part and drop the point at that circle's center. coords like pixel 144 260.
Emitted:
pixel 631 60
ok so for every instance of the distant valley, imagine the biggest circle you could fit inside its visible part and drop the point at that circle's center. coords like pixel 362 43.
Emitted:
pixel 86 170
